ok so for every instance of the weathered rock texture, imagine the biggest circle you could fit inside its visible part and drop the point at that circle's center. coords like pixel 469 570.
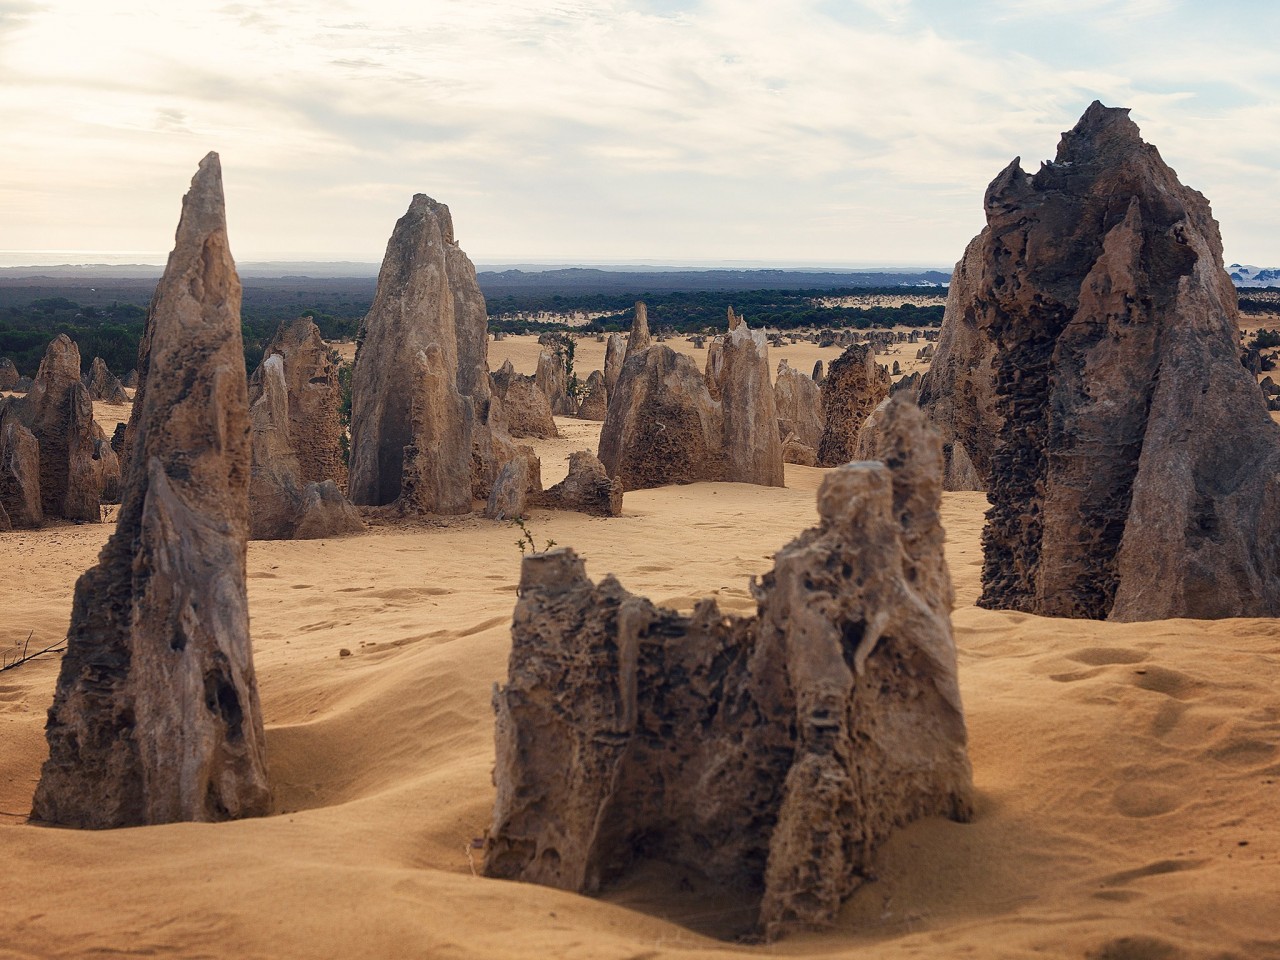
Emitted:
pixel 713 369
pixel 107 467
pixel 156 716
pixel 595 399
pixel 587 489
pixel 1137 475
pixel 799 402
pixel 8 374
pixel 313 394
pixel 553 380
pixel 19 472
pixel 424 435
pixel 104 385
pixel 525 407
pixel 639 339
pixel 662 426
pixel 957 392
pixel 854 384
pixel 283 505
pixel 769 755
pixel 615 352
pixel 752 445
pixel 59 414
pixel 510 496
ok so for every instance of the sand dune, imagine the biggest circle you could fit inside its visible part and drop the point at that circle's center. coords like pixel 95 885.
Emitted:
pixel 1127 775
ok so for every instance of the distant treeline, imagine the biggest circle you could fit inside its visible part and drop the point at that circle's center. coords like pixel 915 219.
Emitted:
pixel 693 312
pixel 113 332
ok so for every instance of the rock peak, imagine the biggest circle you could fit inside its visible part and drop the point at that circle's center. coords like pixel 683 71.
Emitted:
pixel 1098 129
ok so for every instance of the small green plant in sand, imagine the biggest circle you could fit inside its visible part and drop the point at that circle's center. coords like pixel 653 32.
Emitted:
pixel 526 543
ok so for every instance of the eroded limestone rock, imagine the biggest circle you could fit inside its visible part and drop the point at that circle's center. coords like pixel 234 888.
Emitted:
pixel 662 426
pixel 553 380
pixel 767 755
pixel 639 339
pixel 104 385
pixel 525 407
pixel 854 384
pixel 59 413
pixel 587 489
pixel 156 718
pixel 1137 473
pixel 313 400
pixel 19 472
pixel 424 432
pixel 8 374
pixel 799 402
pixel 752 445
pixel 615 352
pixel 595 400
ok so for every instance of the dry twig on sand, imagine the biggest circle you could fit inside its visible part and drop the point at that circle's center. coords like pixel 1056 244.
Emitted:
pixel 52 648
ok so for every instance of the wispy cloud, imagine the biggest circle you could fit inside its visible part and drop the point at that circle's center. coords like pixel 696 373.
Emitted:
pixel 850 130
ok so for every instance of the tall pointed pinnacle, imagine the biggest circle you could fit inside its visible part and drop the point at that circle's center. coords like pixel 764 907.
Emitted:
pixel 156 717
pixel 639 339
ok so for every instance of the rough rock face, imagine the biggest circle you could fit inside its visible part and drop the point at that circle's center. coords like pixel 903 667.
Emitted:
pixel 156 717
pixel 752 445
pixel 107 465
pixel 8 374
pixel 59 413
pixel 553 380
pixel 525 406
pixel 423 434
pixel 854 384
pixel 325 512
pixel 510 496
pixel 587 489
pixel 131 379
pixel 713 369
pixel 767 755
pixel 313 400
pixel 104 385
pixel 794 450
pixel 615 352
pixel 639 339
pixel 817 372
pixel 595 401
pixel 957 392
pixel 19 472
pixel 799 402
pixel 662 426
pixel 1137 475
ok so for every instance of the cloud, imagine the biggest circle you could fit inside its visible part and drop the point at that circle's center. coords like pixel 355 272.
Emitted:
pixel 746 122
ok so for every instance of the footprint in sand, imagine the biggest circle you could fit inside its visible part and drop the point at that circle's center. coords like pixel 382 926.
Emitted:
pixel 1101 656
pixel 1243 752
pixel 1155 869
pixel 1167 717
pixel 1142 799
pixel 1169 682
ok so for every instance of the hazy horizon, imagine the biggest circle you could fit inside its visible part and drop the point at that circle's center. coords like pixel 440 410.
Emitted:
pixel 858 132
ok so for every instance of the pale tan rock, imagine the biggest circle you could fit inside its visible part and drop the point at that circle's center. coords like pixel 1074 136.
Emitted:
pixel 615 352
pixel 19 472
pixel 324 513
pixel 510 496
pixel 854 384
pixel 104 385
pixel 595 399
pixel 662 426
pixel 587 489
pixel 752 445
pixel 553 380
pixel 713 369
pixel 59 413
pixel 526 410
pixel 769 754
pixel 313 400
pixel 957 392
pixel 420 389
pixel 8 374
pixel 795 450
pixel 639 339
pixel 156 717
pixel 799 403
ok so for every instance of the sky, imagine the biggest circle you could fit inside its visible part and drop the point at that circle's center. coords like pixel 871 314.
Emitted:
pixel 817 132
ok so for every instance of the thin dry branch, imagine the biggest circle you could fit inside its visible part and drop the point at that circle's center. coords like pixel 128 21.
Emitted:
pixel 52 648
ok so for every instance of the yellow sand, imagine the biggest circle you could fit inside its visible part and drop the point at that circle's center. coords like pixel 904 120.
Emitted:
pixel 1128 776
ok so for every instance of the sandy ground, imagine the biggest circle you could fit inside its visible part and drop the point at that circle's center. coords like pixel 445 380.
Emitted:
pixel 1128 775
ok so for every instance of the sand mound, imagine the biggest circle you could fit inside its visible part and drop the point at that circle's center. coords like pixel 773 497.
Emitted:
pixel 1127 774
